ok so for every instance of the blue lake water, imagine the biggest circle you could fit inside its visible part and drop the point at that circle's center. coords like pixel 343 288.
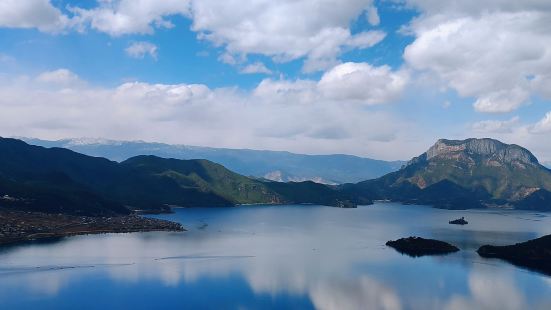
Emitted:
pixel 282 257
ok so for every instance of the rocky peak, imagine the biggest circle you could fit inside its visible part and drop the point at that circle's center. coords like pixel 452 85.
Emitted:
pixel 490 149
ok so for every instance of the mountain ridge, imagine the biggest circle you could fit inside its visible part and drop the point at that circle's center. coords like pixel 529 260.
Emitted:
pixel 465 174
pixel 279 166
pixel 57 180
pixel 498 150
pixel 454 174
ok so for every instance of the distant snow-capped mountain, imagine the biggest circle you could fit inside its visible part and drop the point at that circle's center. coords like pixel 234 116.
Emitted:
pixel 273 165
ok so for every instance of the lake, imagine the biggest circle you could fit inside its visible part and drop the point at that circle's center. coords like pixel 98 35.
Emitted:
pixel 282 257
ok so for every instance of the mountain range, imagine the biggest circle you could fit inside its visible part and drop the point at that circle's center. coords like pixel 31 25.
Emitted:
pixel 271 165
pixel 57 180
pixel 454 174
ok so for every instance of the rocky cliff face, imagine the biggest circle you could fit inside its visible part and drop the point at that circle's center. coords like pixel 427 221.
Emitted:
pixel 490 151
pixel 470 173
pixel 499 172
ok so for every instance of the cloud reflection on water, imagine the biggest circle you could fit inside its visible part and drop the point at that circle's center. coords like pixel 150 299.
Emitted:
pixel 336 260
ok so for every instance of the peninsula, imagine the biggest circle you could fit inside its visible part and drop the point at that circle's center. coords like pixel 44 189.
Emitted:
pixel 533 254
pixel 18 226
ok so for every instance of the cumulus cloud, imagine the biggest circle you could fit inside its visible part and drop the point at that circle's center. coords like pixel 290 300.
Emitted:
pixel 494 126
pixel 141 49
pixel 114 17
pixel 256 67
pixel 40 14
pixel 59 77
pixel 362 82
pixel 498 52
pixel 365 39
pixel 542 85
pixel 170 94
pixel 544 125
pixel 373 16
pixel 120 17
pixel 287 91
pixel 284 30
pixel 345 83
pixel 295 115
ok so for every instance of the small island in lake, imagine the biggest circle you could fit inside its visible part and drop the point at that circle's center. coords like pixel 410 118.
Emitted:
pixel 417 246
pixel 533 254
pixel 460 221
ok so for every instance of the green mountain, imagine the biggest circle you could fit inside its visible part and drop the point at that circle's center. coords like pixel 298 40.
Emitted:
pixel 54 180
pixel 466 174
pixel 62 181
pixel 206 177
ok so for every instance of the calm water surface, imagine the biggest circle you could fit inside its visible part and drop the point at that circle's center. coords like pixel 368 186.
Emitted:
pixel 282 257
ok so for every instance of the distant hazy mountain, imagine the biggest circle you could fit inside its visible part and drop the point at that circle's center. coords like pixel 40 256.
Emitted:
pixel 467 174
pixel 272 165
pixel 57 180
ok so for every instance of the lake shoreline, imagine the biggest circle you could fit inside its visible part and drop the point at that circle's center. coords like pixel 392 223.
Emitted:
pixel 334 253
pixel 19 227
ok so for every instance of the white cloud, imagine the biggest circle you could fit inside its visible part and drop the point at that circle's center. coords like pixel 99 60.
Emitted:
pixel 494 126
pixel 286 91
pixel 284 30
pixel 297 115
pixel 502 101
pixel 39 14
pixel 59 77
pixel 141 49
pixel 256 67
pixel 345 83
pixel 366 39
pixel 494 51
pixel 120 17
pixel 227 59
pixel 544 125
pixel 542 85
pixel 373 16
pixel 171 94
pixel 362 82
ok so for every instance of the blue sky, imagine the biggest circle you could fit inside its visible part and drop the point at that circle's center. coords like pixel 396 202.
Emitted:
pixel 182 57
pixel 373 78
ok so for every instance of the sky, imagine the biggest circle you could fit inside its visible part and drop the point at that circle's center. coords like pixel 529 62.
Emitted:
pixel 377 78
